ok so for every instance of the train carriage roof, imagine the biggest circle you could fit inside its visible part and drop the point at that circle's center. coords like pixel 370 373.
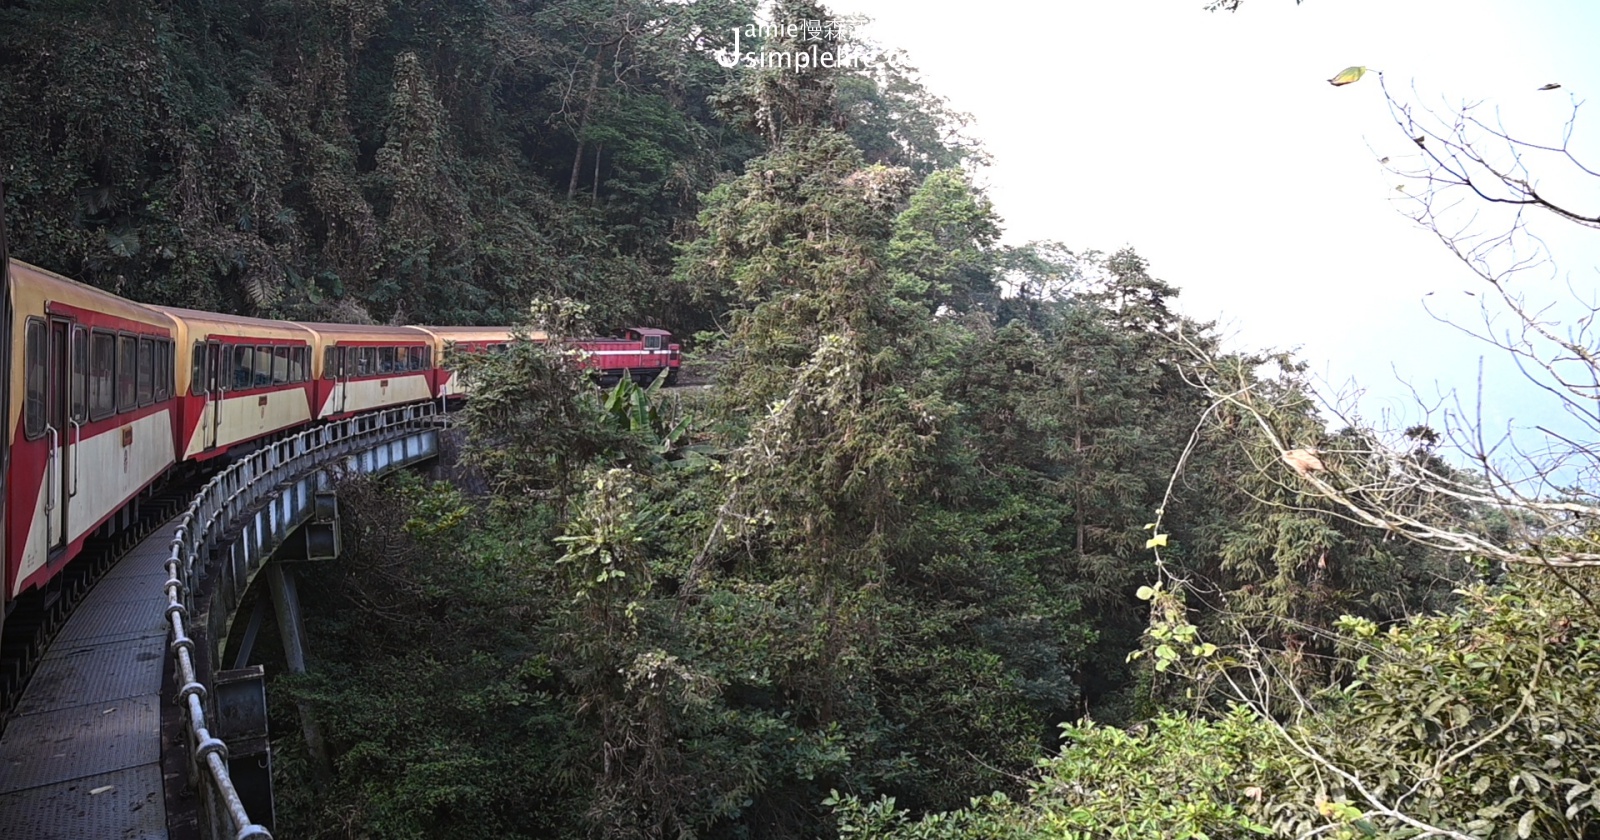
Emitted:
pixel 365 332
pixel 200 324
pixel 465 334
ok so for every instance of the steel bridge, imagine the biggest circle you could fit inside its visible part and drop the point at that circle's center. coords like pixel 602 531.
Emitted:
pixel 130 708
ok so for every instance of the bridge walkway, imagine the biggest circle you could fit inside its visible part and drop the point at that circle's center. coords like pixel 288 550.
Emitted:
pixel 87 755
pixel 83 756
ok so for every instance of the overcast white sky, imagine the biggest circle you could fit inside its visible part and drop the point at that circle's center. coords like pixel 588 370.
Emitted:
pixel 1212 143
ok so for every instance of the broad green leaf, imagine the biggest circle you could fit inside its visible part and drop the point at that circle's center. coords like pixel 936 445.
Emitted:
pixel 1348 75
pixel 1145 593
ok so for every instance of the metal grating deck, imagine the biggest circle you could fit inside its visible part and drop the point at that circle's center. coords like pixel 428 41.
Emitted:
pixel 82 758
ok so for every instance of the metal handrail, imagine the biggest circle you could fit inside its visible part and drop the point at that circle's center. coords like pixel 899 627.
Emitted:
pixel 225 497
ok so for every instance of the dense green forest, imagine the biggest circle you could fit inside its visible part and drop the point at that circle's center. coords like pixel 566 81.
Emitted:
pixel 965 540
pixel 394 161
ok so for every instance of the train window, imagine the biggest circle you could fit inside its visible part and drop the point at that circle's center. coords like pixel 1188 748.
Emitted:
pixel 102 370
pixel 127 372
pixel 263 375
pixel 158 354
pixel 297 364
pixel 386 360
pixel 427 358
pixel 363 360
pixel 652 342
pixel 38 353
pixel 243 367
pixel 280 365
pixel 330 362
pixel 146 381
pixel 163 369
pixel 414 358
pixel 197 375
pixel 78 406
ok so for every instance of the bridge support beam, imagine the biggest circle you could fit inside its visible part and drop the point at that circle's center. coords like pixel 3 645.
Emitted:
pixel 292 629
pixel 247 645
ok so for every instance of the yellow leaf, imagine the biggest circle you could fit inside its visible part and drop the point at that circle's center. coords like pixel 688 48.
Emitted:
pixel 1157 540
pixel 1348 75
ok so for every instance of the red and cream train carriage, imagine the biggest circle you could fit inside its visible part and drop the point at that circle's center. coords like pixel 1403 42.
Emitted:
pixel 639 352
pixel 90 420
pixel 243 379
pixel 455 340
pixel 361 368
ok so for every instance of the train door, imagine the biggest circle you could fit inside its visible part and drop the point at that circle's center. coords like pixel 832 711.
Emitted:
pixel 336 401
pixel 6 431
pixel 77 403
pixel 216 360
pixel 63 431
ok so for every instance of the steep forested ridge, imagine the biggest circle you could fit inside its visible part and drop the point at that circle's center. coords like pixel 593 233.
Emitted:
pixel 403 161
